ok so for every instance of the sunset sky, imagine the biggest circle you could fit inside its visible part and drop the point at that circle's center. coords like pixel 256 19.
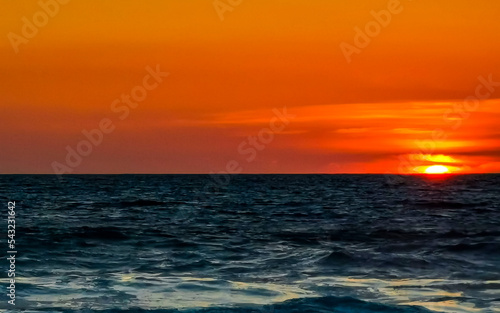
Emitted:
pixel 396 107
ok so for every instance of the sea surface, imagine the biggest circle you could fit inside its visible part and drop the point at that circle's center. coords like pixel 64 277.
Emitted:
pixel 253 243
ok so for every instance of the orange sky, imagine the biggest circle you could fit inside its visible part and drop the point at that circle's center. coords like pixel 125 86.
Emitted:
pixel 377 114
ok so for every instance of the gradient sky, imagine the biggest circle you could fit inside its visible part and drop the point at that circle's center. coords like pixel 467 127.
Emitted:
pixel 377 114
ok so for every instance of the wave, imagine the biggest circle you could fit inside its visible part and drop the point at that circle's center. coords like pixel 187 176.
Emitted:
pixel 433 204
pixel 102 233
pixel 339 256
pixel 143 202
pixel 305 305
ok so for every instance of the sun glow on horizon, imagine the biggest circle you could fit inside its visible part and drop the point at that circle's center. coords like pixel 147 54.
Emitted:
pixel 437 169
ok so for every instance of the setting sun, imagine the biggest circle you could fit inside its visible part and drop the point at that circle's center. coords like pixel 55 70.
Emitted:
pixel 437 169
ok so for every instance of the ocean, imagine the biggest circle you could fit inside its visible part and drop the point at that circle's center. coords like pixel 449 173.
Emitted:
pixel 253 243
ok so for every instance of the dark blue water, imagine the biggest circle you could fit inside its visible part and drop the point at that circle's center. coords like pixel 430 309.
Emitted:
pixel 254 243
